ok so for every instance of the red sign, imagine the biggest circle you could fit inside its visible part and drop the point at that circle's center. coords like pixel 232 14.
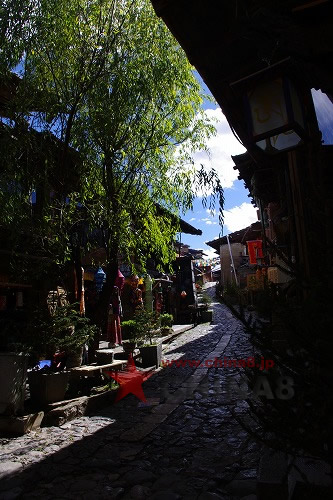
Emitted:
pixel 254 248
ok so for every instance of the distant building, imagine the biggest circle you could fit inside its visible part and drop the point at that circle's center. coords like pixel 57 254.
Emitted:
pixel 237 254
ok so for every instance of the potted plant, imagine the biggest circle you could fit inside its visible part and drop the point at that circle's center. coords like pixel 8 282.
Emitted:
pixel 151 352
pixel 64 330
pixel 166 321
pixel 206 313
pixel 130 333
pixel 73 332
pixel 61 335
pixel 47 386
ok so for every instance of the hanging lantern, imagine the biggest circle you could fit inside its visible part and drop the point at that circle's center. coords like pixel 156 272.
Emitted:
pixel 275 115
pixel 100 278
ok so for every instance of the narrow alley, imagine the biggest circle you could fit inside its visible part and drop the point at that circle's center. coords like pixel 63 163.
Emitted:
pixel 187 441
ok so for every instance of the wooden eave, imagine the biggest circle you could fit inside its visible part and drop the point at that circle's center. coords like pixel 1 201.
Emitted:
pixel 227 41
pixel 249 233
pixel 184 226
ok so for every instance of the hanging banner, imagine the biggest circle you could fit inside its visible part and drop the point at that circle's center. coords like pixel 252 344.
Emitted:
pixel 254 249
pixel 255 281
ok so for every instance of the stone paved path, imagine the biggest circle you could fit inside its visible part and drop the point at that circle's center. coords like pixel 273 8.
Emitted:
pixel 187 442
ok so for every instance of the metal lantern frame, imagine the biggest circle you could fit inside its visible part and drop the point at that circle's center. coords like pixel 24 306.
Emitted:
pixel 292 123
pixel 292 106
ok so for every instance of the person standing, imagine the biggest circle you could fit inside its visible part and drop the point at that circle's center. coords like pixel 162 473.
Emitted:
pixel 136 295
pixel 158 296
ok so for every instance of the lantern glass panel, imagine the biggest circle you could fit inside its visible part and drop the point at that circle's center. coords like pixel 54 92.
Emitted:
pixel 268 107
pixel 280 142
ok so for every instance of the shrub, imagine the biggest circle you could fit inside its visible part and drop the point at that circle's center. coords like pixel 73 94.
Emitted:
pixel 65 330
pixel 129 330
pixel 147 323
pixel 206 300
pixel 166 320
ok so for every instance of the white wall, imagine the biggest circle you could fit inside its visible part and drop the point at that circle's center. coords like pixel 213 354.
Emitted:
pixel 237 250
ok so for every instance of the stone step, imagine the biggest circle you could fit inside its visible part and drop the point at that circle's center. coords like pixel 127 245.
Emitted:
pixel 20 425
pixel 273 475
pixel 309 474
pixel 284 477
pixel 78 407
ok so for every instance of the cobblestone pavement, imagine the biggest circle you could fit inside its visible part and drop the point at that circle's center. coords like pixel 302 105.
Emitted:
pixel 187 442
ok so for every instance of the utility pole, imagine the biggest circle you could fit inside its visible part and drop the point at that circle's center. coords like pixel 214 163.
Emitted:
pixel 232 260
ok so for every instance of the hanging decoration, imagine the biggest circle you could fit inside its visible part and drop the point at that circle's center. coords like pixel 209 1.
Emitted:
pixel 100 278
pixel 254 248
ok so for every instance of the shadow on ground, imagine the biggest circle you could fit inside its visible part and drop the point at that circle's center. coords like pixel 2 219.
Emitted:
pixel 194 447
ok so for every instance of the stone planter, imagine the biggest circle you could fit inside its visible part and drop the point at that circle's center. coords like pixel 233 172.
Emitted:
pixel 105 356
pixel 129 347
pixel 207 316
pixel 13 369
pixel 151 355
pixel 74 359
pixel 48 388
pixel 166 330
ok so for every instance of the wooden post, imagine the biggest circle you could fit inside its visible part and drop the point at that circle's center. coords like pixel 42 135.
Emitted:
pixel 298 207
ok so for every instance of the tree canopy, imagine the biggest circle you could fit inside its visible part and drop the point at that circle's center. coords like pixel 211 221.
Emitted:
pixel 109 85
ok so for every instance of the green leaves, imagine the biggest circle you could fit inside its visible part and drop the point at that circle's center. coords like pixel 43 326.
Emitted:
pixel 109 81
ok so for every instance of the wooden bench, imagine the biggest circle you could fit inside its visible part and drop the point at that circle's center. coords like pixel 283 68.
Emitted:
pixel 93 370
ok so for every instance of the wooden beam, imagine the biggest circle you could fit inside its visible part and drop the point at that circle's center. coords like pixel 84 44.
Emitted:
pixel 14 285
pixel 308 5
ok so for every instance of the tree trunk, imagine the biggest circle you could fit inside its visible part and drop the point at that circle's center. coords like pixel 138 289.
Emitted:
pixel 103 303
pixel 105 296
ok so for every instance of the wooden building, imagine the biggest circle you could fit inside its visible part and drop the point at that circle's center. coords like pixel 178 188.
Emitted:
pixel 234 255
pixel 260 59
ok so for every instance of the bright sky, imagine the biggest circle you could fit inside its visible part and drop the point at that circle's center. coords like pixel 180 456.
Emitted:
pixel 239 212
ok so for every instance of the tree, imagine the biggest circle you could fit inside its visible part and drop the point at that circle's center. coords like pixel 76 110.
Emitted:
pixel 141 124
pixel 114 85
